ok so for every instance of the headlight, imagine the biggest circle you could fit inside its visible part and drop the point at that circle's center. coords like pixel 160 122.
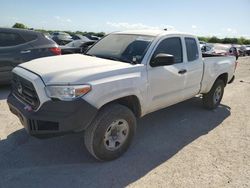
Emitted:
pixel 67 93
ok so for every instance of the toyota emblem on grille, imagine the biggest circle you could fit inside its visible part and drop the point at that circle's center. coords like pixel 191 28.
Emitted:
pixel 19 88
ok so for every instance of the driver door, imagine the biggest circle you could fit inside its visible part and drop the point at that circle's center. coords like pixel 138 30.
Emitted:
pixel 166 83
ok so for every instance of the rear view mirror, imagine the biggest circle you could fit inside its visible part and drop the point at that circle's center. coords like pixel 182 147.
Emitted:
pixel 162 60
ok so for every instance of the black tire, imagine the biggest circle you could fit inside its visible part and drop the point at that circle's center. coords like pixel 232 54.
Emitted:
pixel 208 99
pixel 95 133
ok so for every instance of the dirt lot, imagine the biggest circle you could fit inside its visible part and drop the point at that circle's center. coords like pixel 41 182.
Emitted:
pixel 181 146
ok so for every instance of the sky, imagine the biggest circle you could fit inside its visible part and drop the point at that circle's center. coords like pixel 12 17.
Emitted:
pixel 221 18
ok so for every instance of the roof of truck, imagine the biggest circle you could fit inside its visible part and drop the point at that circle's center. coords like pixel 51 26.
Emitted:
pixel 151 32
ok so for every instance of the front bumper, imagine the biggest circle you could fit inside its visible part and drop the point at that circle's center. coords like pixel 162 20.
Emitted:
pixel 53 117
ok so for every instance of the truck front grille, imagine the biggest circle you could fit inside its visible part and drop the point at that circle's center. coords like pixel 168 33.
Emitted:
pixel 25 91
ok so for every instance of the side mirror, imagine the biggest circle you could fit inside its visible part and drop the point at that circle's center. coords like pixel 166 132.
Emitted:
pixel 162 60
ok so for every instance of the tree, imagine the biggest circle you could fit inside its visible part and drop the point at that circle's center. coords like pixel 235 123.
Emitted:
pixel 205 39
pixel 214 40
pixel 19 25
pixel 100 34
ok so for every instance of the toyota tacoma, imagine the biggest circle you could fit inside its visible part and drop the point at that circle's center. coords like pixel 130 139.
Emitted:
pixel 124 76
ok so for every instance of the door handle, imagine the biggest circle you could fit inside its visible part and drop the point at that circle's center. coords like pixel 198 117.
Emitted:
pixel 25 51
pixel 182 71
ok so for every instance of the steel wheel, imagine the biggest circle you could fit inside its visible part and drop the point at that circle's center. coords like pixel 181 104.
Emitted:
pixel 116 134
pixel 217 94
pixel 111 132
pixel 212 99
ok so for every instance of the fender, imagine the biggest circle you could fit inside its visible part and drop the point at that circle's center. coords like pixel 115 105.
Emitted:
pixel 112 88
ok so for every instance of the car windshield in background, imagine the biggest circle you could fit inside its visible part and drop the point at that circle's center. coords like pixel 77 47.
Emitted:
pixel 122 47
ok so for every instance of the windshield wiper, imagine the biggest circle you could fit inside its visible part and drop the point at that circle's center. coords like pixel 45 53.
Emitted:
pixel 111 58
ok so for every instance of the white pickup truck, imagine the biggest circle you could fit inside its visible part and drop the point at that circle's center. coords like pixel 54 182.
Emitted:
pixel 124 76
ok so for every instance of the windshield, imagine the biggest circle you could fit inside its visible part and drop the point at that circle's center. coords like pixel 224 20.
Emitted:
pixel 122 47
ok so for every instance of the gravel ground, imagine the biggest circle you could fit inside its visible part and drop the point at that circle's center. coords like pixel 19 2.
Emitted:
pixel 180 146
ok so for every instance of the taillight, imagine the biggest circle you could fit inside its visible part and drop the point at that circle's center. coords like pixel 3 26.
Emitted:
pixel 56 51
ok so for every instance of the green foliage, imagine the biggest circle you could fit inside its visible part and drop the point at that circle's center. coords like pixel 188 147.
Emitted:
pixel 205 39
pixel 242 40
pixel 19 25
pixel 213 40
pixel 226 40
pixel 99 34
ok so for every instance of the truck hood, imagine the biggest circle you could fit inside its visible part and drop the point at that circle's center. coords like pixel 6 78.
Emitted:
pixel 77 69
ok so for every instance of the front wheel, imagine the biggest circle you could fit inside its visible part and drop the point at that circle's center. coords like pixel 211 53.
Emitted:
pixel 111 133
pixel 212 99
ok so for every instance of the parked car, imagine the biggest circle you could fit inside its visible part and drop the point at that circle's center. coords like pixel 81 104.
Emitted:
pixel 76 46
pixel 242 50
pixel 48 35
pixel 248 49
pixel 202 43
pixel 207 48
pixel 20 45
pixel 104 91
pixel 92 37
pixel 61 38
pixel 216 49
pixel 80 37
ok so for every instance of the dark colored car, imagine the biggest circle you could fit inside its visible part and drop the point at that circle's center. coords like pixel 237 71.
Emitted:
pixel 76 46
pixel 61 38
pixel 242 50
pixel 248 49
pixel 19 46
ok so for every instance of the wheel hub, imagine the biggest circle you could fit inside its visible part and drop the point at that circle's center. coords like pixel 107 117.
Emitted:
pixel 116 134
pixel 217 94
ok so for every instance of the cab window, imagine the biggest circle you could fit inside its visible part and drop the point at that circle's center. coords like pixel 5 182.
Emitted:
pixel 192 49
pixel 171 46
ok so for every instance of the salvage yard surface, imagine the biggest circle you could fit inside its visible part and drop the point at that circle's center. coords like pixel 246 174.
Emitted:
pixel 184 145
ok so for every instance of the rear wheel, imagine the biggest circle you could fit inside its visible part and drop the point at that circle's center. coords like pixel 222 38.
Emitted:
pixel 212 99
pixel 111 133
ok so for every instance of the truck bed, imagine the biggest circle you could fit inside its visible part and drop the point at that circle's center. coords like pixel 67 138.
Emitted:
pixel 215 65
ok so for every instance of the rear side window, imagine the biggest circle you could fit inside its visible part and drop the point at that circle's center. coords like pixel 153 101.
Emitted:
pixel 10 39
pixel 171 46
pixel 192 49
pixel 29 37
